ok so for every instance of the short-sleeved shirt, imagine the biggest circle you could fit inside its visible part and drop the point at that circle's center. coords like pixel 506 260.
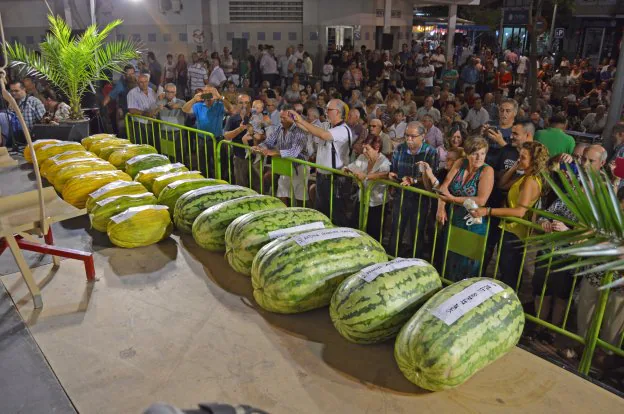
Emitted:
pixel 341 135
pixel 232 123
pixel 209 119
pixel 557 141
pixel 139 100
pixel 197 74
pixel 174 116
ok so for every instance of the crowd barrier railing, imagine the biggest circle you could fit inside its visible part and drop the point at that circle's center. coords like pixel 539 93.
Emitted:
pixel 192 147
pixel 429 241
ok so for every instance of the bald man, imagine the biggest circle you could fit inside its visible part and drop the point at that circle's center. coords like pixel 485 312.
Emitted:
pixel 594 157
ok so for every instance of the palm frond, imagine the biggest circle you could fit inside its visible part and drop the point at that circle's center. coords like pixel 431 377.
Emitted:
pixel 595 242
pixel 73 63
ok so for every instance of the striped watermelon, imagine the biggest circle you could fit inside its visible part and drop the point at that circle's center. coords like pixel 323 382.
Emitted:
pixel 300 272
pixel 209 227
pixel 191 204
pixel 460 330
pixel 248 233
pixel 170 194
pixel 374 304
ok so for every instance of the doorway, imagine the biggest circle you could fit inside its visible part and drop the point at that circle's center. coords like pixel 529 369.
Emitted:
pixel 341 36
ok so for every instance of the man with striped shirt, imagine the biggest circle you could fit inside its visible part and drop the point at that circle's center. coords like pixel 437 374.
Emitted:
pixel 197 76
pixel 142 101
pixel 288 141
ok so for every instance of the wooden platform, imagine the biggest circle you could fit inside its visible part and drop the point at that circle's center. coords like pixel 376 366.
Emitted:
pixel 174 323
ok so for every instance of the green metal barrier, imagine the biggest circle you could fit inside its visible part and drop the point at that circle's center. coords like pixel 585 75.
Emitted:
pixel 176 143
pixel 287 167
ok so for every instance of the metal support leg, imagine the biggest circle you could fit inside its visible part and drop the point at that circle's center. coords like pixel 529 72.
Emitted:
pixel 26 273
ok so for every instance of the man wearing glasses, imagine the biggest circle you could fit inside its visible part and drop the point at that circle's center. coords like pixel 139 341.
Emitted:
pixel 236 128
pixel 405 170
pixel 334 148
pixel 32 109
pixel 375 129
pixel 169 110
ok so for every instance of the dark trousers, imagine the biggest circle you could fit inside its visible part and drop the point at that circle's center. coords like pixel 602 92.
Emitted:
pixel 510 262
pixel 341 199
pixel 406 226
pixel 373 224
pixel 273 79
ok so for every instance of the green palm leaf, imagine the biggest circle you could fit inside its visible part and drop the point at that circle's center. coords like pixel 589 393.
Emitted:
pixel 73 63
pixel 595 243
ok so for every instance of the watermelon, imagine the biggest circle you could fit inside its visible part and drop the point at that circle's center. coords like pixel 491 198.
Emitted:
pixel 143 162
pixel 248 233
pixel 147 177
pixel 300 272
pixel 191 204
pixel 111 206
pixel 373 305
pixel 460 330
pixel 170 194
pixel 118 158
pixel 115 188
pixel 164 180
pixel 209 227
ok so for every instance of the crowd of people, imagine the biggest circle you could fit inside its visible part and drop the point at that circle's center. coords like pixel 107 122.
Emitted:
pixel 463 129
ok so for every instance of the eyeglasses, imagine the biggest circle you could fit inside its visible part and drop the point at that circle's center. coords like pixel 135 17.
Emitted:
pixel 410 137
pixel 330 109
pixel 374 126
pixel 15 90
pixel 170 91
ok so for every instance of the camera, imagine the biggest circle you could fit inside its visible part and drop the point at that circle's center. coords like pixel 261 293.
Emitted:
pixel 206 96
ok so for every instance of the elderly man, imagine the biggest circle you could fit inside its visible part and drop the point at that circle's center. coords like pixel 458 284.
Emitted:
pixel 594 157
pixel 32 109
pixel 428 109
pixel 375 131
pixel 209 108
pixel 434 136
pixel 142 102
pixel 355 123
pixel 169 109
pixel 477 116
pixel 288 141
pixel 334 149
pixel 595 122
pixel 405 169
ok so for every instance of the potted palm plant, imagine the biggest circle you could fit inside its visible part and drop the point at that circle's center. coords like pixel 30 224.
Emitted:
pixel 72 64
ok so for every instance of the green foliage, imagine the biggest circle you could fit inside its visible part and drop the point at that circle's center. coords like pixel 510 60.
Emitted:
pixel 73 63
pixel 596 241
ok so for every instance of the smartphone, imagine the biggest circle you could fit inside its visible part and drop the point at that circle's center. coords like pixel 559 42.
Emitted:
pixel 206 96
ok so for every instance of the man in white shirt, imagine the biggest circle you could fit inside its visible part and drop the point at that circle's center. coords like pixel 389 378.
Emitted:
pixel 217 76
pixel 426 71
pixel 268 67
pixel 227 63
pixel 428 109
pixel 299 52
pixel 477 116
pixel 286 65
pixel 333 149
pixel 142 101
pixel 197 76
pixel 396 131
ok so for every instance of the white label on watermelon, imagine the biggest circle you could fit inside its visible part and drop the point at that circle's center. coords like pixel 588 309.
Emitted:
pixel 461 303
pixel 133 210
pixel 328 234
pixel 296 229
pixel 370 273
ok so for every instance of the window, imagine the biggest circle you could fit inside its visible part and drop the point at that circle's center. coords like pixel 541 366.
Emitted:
pixel 265 11
pixel 121 37
pixel 151 37
pixel 136 37
pixel 167 37
pixel 183 37
pixel 30 40
pixel 261 36
pixel 277 36
pixel 292 36
pixel 314 36
pixel 246 35
pixel 229 36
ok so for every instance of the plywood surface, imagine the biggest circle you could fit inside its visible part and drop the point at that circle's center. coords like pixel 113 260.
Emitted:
pixel 174 323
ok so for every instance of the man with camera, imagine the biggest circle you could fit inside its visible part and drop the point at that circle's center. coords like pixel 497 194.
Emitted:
pixel 169 109
pixel 209 109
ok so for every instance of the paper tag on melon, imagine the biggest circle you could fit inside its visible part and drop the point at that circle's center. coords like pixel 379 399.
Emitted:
pixel 134 210
pixel 329 234
pixel 105 201
pixel 370 273
pixel 296 229
pixel 461 303
pixel 110 186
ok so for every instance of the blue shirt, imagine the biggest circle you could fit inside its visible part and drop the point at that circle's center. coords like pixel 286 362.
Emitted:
pixel 404 163
pixel 470 74
pixel 209 119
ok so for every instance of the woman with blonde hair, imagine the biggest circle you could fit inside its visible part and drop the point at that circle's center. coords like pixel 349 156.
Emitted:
pixel 469 178
pixel 524 191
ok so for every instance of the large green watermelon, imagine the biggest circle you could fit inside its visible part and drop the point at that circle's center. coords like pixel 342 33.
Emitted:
pixel 170 194
pixel 374 304
pixel 209 227
pixel 300 272
pixel 191 204
pixel 248 233
pixel 460 330
pixel 145 161
pixel 105 209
